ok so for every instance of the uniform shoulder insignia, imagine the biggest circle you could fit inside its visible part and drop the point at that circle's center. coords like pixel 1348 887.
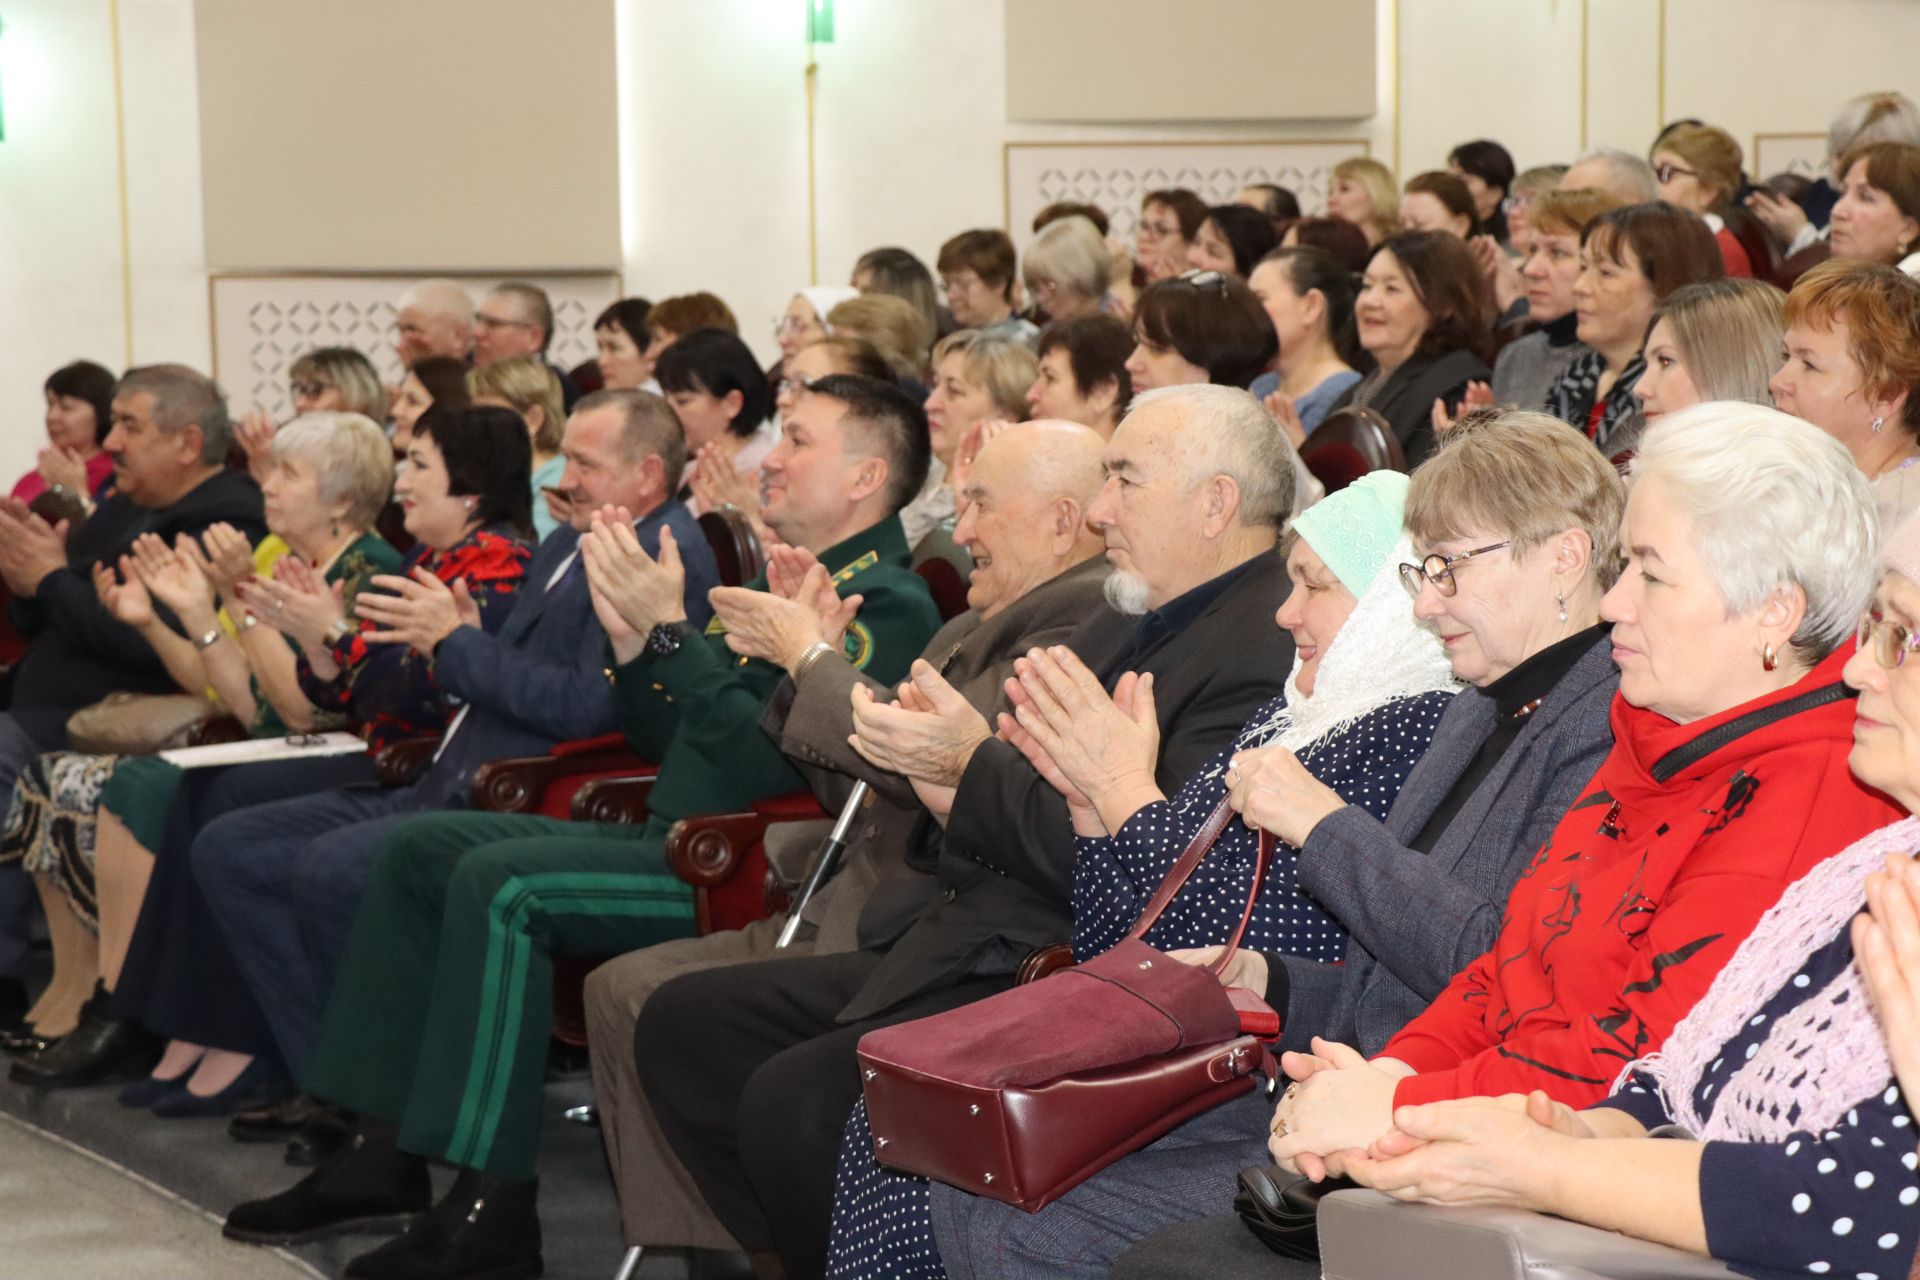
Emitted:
pixel 858 645
pixel 715 627
pixel 861 565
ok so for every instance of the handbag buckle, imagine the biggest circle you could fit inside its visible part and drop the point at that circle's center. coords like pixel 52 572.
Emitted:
pixel 1231 1065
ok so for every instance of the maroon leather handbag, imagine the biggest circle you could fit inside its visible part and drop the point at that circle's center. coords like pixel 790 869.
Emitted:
pixel 1022 1096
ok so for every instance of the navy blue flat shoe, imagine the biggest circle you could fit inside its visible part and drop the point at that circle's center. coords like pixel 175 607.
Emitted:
pixel 261 1079
pixel 147 1090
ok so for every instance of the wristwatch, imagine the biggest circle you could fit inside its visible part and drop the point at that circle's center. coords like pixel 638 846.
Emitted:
pixel 666 638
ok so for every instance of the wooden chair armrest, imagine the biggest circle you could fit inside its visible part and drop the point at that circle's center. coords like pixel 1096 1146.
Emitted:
pixel 401 762
pixel 705 851
pixel 613 800
pixel 1039 963
pixel 517 784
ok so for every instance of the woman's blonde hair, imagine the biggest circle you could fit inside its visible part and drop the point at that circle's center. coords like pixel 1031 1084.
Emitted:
pixel 1004 365
pixel 892 325
pixel 351 373
pixel 1567 213
pixel 1521 475
pixel 1382 190
pixel 1712 154
pixel 525 382
pixel 1730 334
pixel 1072 254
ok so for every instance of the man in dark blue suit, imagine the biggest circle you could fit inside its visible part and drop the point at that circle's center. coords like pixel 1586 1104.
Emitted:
pixel 284 878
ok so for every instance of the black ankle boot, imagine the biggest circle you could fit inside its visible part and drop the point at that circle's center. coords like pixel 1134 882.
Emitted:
pixel 101 1047
pixel 484 1228
pixel 368 1185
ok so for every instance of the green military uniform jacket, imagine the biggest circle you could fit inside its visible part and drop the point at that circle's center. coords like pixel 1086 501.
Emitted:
pixel 697 711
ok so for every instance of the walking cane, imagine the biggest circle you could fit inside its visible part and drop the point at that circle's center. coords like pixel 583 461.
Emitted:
pixel 826 862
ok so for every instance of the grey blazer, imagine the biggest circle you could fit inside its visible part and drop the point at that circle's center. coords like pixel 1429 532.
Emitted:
pixel 811 725
pixel 1416 919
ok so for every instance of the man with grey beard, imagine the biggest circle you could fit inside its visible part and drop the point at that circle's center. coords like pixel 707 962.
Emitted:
pixel 750 1068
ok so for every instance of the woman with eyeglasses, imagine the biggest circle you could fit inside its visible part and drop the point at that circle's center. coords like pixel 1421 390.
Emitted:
pixel 1698 168
pixel 1853 369
pixel 1425 313
pixel 1169 222
pixel 1791 1081
pixel 1369 684
pixel 1512 527
pixel 326 379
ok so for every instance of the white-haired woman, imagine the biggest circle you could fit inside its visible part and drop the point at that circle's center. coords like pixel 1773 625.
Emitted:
pixel 1745 573
pixel 329 477
pixel 1368 687
pixel 1791 1083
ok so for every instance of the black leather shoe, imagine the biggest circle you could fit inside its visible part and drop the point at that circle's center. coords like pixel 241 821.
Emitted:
pixel 368 1185
pixel 485 1228
pixel 317 1139
pixel 101 1048
pixel 281 1118
pixel 23 1040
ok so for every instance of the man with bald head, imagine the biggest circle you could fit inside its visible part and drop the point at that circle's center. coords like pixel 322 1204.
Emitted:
pixel 1617 172
pixel 1038 574
pixel 749 1070
pixel 435 318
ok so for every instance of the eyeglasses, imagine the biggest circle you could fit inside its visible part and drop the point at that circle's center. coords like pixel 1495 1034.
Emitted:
pixel 793 324
pixel 794 386
pixel 1158 229
pixel 1438 570
pixel 486 321
pixel 1889 641
pixel 1668 171
pixel 309 388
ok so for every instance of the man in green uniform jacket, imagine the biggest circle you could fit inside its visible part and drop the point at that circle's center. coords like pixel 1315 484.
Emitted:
pixel 436 1030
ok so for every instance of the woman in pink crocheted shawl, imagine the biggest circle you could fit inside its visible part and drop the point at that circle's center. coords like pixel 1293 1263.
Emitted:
pixel 1793 1139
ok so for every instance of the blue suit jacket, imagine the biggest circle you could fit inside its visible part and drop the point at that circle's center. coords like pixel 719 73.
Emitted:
pixel 542 678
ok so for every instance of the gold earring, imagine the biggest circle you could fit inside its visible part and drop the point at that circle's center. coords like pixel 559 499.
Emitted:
pixel 1769 659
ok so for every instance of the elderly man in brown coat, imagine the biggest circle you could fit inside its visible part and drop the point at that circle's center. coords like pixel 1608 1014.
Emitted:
pixel 1038 574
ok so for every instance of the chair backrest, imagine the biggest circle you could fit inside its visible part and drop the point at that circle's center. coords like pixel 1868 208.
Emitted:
pixel 946 567
pixel 1348 444
pixel 736 548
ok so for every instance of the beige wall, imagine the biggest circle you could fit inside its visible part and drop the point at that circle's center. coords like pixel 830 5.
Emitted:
pixel 376 134
pixel 1221 67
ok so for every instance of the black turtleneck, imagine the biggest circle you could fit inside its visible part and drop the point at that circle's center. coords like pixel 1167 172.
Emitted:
pixel 1512 693
pixel 1563 332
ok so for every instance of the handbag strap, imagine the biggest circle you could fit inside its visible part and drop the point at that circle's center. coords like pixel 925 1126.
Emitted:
pixel 1189 861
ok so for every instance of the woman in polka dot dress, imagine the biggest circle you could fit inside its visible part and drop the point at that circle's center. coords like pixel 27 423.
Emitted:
pixel 1368 687
pixel 1796 1145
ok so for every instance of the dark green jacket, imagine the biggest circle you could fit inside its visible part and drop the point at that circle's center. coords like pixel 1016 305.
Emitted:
pixel 697 711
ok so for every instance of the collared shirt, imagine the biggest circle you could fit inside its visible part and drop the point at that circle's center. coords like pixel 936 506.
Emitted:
pixel 1157 626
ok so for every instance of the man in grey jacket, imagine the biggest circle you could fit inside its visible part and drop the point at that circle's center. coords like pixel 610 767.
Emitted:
pixel 1038 574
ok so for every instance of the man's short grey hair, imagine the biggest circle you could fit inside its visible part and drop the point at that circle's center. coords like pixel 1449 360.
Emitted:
pixel 1627 174
pixel 649 427
pixel 1773 501
pixel 439 297
pixel 349 453
pixel 531 301
pixel 1071 253
pixel 184 397
pixel 1229 434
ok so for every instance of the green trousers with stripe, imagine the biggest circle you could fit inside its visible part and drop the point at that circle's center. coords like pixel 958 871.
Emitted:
pixel 442 1006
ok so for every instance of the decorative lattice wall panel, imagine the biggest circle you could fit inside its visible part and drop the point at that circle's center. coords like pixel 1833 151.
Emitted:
pixel 1802 153
pixel 262 324
pixel 1115 176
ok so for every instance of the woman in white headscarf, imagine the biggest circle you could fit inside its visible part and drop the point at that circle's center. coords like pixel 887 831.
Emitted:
pixel 1368 687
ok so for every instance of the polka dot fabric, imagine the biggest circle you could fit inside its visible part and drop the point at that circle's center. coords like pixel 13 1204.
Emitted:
pixel 882 1223
pixel 1842 1202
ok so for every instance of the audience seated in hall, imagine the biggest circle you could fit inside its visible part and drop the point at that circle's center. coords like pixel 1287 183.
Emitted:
pixel 1573 703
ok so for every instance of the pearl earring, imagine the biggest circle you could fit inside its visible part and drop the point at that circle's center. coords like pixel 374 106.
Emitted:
pixel 1562 602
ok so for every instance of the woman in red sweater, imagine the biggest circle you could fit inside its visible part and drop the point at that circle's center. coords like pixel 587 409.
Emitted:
pixel 1728 781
